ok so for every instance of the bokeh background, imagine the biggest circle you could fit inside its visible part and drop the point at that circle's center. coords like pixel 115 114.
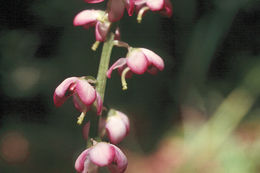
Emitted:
pixel 201 114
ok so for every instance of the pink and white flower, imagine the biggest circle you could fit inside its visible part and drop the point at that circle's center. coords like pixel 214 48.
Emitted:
pixel 162 6
pixel 117 126
pixel 138 61
pixel 99 155
pixel 84 95
pixel 97 18
pixel 116 9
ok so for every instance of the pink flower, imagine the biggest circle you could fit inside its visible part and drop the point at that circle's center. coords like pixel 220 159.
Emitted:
pixel 138 61
pixel 117 126
pixel 84 95
pixel 100 155
pixel 163 6
pixel 116 8
pixel 97 18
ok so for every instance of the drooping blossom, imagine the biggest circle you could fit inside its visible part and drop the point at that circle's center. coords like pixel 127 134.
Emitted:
pixel 84 95
pixel 138 61
pixel 97 18
pixel 164 7
pixel 116 8
pixel 99 155
pixel 117 126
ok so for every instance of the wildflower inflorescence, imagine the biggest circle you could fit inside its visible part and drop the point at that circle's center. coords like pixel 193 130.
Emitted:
pixel 88 92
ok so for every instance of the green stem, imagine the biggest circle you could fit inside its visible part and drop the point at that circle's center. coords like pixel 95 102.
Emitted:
pixel 104 64
pixel 101 81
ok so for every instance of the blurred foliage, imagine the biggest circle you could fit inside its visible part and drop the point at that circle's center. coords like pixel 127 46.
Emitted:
pixel 201 114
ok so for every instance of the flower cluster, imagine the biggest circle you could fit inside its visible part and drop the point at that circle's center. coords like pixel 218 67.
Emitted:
pixel 86 92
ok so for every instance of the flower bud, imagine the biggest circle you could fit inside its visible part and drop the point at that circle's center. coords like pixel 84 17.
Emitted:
pixel 117 126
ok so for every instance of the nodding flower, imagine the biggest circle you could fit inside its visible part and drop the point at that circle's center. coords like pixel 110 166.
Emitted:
pixel 117 126
pixel 97 18
pixel 138 61
pixel 99 155
pixel 84 95
pixel 164 7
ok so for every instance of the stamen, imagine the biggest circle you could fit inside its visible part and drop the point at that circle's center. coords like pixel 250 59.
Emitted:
pixel 95 45
pixel 81 118
pixel 141 13
pixel 123 81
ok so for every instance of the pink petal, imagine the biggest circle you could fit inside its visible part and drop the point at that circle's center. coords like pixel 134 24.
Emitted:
pixel 102 30
pixel 139 2
pixel 85 130
pixel 116 10
pixel 155 5
pixel 119 63
pixel 93 1
pixel 86 92
pixel 59 96
pixel 116 129
pixel 129 6
pixel 79 164
pixel 153 59
pixel 137 61
pixel 125 119
pixel 79 105
pixel 167 10
pixel 120 160
pixel 89 167
pixel 87 17
pixel 102 154
pixel 99 104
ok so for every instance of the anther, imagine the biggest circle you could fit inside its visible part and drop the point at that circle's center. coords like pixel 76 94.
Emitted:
pixel 81 118
pixel 95 45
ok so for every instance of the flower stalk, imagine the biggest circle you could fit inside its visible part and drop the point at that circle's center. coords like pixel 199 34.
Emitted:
pixel 104 64
pixel 101 80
